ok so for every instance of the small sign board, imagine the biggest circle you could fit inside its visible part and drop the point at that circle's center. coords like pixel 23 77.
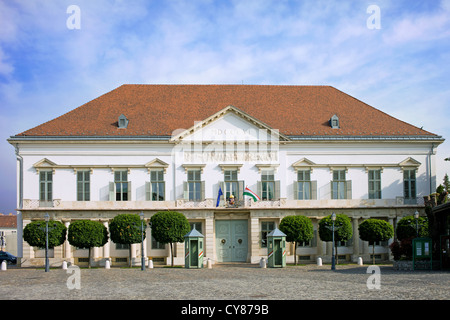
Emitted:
pixel 422 253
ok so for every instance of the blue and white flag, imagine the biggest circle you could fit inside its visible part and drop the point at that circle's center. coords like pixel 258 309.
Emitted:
pixel 218 197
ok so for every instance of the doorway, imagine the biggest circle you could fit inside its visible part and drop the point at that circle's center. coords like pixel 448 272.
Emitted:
pixel 231 240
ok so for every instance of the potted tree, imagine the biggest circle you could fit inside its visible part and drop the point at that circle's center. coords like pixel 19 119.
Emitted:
pixel 169 227
pixel 87 234
pixel 343 230
pixel 374 230
pixel 125 229
pixel 297 229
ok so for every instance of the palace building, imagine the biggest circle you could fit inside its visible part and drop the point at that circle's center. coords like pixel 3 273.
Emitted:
pixel 300 150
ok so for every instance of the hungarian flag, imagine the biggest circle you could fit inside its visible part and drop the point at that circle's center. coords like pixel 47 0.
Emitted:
pixel 250 193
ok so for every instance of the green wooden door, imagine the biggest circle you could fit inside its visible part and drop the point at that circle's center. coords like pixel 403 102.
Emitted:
pixel 194 253
pixel 278 252
pixel 231 240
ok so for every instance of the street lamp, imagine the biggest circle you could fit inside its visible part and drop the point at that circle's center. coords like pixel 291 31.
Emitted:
pixel 46 230
pixel 333 228
pixel 142 241
pixel 47 264
pixel 416 216
pixel 333 257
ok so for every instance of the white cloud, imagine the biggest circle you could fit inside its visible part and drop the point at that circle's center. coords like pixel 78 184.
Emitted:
pixel 415 27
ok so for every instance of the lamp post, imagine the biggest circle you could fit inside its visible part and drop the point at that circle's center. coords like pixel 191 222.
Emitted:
pixel 333 257
pixel 142 241
pixel 46 229
pixel 47 264
pixel 333 228
pixel 416 216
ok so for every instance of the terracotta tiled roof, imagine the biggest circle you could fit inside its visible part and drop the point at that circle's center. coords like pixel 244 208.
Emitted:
pixel 158 110
pixel 8 221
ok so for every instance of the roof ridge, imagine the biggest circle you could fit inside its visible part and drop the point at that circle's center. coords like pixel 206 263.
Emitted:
pixel 159 109
pixel 381 111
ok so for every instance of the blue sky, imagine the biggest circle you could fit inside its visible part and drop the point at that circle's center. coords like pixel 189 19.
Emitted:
pixel 47 69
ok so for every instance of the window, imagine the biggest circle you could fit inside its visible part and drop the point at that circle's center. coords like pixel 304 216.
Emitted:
pixel 157 245
pixel 266 228
pixel 122 122
pixel 194 185
pixel 267 185
pixel 157 185
pixel 304 244
pixel 303 184
pixel 83 186
pixel 197 224
pixel 409 183
pixel 121 183
pixel 121 246
pixel 45 187
pixel 374 184
pixel 338 189
pixel 334 121
pixel 231 184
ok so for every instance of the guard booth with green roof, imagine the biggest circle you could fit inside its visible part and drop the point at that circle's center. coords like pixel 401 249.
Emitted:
pixel 276 248
pixel 193 249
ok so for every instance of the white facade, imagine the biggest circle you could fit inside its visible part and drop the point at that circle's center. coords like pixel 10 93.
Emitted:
pixel 229 141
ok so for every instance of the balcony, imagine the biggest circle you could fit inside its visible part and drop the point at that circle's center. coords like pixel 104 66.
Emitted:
pixel 57 204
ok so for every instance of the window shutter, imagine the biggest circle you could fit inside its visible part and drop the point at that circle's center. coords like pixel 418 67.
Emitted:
pixel 348 186
pixel 259 189
pixel 185 191
pixel 314 190
pixel 129 191
pixel 203 191
pixel 148 191
pixel 111 191
pixel 277 190
pixel 332 190
pixel 222 185
pixel 295 190
pixel 241 190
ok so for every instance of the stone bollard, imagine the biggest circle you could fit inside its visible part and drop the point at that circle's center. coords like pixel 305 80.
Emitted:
pixel 64 265
pixel 3 265
pixel 319 262
pixel 209 263
pixel 262 263
pixel 360 261
pixel 150 264
pixel 107 264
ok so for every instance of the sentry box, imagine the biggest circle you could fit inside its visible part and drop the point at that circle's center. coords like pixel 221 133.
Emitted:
pixel 193 249
pixel 276 249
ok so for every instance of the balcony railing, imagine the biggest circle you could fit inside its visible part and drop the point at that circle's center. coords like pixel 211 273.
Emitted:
pixel 58 204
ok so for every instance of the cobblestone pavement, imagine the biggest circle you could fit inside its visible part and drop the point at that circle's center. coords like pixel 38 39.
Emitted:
pixel 224 282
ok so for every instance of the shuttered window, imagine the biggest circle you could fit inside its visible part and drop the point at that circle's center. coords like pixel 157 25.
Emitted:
pixel 340 188
pixel 194 188
pixel 45 188
pixel 121 187
pixel 374 184
pixel 83 186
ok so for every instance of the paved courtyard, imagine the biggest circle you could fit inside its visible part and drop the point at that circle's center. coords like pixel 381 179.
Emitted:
pixel 225 282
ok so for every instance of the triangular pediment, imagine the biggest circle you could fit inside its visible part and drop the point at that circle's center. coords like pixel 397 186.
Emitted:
pixel 229 124
pixel 157 164
pixel 44 163
pixel 302 163
pixel 409 162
